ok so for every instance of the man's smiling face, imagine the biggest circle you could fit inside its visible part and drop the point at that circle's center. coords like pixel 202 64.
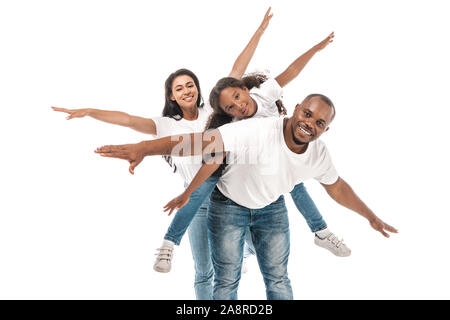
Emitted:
pixel 311 118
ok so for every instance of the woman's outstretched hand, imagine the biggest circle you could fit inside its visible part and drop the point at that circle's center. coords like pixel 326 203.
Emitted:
pixel 177 203
pixel 130 152
pixel 73 113
pixel 321 45
pixel 266 20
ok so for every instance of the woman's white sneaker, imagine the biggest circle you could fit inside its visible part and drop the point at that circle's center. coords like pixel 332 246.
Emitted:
pixel 333 244
pixel 163 261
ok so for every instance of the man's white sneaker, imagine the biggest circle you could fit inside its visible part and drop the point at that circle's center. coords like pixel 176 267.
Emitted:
pixel 334 245
pixel 163 261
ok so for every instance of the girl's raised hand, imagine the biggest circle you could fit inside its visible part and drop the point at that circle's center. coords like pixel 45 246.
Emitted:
pixel 73 113
pixel 321 45
pixel 266 19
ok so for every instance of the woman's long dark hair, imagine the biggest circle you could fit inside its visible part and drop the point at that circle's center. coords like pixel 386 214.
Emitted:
pixel 219 117
pixel 171 108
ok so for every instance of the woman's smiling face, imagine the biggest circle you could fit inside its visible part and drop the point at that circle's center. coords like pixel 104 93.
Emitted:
pixel 184 92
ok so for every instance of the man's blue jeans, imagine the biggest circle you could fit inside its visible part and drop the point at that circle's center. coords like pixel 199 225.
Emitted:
pixel 269 229
pixel 184 216
pixel 198 204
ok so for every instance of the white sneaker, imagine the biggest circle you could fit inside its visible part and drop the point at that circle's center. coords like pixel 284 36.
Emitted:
pixel 334 245
pixel 163 261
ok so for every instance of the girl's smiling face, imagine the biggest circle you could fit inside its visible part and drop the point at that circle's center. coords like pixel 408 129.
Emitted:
pixel 236 102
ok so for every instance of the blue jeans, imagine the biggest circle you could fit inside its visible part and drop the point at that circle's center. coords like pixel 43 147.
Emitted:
pixel 198 231
pixel 198 238
pixel 184 216
pixel 193 215
pixel 307 208
pixel 269 229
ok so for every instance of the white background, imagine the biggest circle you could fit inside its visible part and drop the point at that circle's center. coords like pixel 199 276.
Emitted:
pixel 74 225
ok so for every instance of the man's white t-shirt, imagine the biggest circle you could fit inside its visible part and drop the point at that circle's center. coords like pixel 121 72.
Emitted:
pixel 264 167
pixel 165 126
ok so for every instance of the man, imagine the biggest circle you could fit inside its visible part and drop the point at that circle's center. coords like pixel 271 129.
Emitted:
pixel 283 153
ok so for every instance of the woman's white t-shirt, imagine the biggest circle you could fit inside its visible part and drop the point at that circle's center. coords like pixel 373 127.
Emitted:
pixel 165 126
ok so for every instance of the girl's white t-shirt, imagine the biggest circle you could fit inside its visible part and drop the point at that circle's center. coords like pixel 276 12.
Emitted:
pixel 165 126
pixel 265 97
pixel 263 167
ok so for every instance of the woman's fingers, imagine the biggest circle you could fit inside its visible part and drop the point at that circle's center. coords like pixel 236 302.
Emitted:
pixel 171 210
pixel 171 205
pixel 61 110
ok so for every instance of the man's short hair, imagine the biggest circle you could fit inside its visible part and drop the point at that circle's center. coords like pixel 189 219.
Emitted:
pixel 324 99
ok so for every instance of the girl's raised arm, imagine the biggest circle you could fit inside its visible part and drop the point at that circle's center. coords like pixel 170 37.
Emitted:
pixel 241 63
pixel 297 66
pixel 140 124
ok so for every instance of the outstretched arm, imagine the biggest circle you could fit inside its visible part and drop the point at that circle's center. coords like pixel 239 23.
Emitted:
pixel 204 173
pixel 297 66
pixel 241 63
pixel 178 145
pixel 140 124
pixel 343 194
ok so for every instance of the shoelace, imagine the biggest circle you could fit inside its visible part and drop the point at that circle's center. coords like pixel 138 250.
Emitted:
pixel 334 240
pixel 165 253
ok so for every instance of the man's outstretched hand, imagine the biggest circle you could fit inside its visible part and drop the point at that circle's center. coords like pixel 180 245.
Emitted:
pixel 129 152
pixel 382 227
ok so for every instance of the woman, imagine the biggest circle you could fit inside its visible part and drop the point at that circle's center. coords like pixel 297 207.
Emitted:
pixel 183 112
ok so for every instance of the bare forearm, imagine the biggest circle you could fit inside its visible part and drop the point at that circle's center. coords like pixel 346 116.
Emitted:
pixel 114 117
pixel 296 67
pixel 204 173
pixel 144 125
pixel 343 194
pixel 183 145
pixel 243 60
pixel 241 63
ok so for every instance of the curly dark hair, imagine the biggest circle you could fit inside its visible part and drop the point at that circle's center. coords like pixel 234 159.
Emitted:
pixel 219 117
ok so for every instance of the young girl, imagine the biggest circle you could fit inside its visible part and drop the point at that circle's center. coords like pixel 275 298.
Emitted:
pixel 183 112
pixel 233 99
